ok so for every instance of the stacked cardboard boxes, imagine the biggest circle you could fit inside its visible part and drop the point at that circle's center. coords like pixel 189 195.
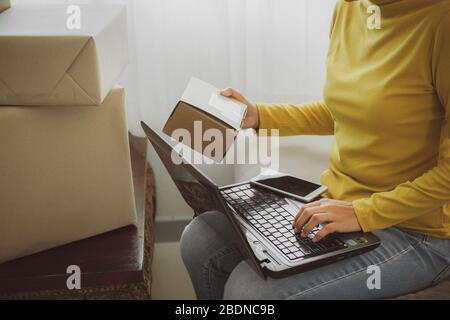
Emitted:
pixel 65 171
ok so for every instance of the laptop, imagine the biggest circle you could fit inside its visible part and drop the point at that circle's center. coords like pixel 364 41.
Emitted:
pixel 261 219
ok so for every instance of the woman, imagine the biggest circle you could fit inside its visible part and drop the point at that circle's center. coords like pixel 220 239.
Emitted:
pixel 387 101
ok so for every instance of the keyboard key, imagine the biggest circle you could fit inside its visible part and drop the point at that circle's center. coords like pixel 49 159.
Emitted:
pixel 292 248
pixel 277 234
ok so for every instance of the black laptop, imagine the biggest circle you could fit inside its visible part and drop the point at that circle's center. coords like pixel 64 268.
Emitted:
pixel 261 219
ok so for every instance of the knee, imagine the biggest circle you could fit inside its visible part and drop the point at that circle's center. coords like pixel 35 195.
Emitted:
pixel 245 284
pixel 189 241
pixel 196 240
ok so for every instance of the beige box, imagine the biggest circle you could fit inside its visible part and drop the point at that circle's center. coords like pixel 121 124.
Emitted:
pixel 4 4
pixel 65 175
pixel 46 60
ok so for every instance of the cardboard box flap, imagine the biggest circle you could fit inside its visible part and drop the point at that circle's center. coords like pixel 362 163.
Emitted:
pixel 207 98
pixel 4 4
pixel 44 62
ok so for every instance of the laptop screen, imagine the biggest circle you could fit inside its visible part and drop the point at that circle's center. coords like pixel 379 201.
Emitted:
pixel 199 192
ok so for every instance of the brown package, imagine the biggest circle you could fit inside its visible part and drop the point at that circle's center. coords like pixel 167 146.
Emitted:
pixel 185 116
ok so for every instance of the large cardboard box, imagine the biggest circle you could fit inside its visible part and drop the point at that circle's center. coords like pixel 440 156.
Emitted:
pixel 65 175
pixel 211 121
pixel 46 60
pixel 4 4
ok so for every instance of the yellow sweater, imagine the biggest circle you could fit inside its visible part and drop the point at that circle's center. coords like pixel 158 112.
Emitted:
pixel 387 101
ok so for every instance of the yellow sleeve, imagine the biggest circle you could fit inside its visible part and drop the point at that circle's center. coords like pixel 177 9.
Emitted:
pixel 304 119
pixel 431 190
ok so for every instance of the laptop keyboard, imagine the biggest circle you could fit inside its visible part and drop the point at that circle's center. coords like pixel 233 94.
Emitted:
pixel 264 211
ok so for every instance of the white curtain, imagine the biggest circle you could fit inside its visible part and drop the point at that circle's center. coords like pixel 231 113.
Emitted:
pixel 272 50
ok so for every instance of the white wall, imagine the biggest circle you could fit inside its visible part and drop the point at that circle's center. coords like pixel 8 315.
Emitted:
pixel 281 59
pixel 273 50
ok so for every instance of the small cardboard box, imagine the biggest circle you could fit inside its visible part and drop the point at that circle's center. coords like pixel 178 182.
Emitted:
pixel 44 60
pixel 208 118
pixel 4 4
pixel 65 175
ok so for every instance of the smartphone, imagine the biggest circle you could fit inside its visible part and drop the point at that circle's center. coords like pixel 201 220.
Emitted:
pixel 291 186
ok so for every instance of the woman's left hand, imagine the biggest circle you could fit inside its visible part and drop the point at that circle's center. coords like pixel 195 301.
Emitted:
pixel 335 215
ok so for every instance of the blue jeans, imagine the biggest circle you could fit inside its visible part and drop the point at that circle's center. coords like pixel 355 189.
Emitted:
pixel 407 262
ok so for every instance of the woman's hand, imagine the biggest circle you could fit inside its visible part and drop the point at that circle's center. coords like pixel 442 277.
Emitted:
pixel 252 118
pixel 335 215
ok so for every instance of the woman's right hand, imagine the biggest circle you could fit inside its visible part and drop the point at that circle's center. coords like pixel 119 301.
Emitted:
pixel 252 118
